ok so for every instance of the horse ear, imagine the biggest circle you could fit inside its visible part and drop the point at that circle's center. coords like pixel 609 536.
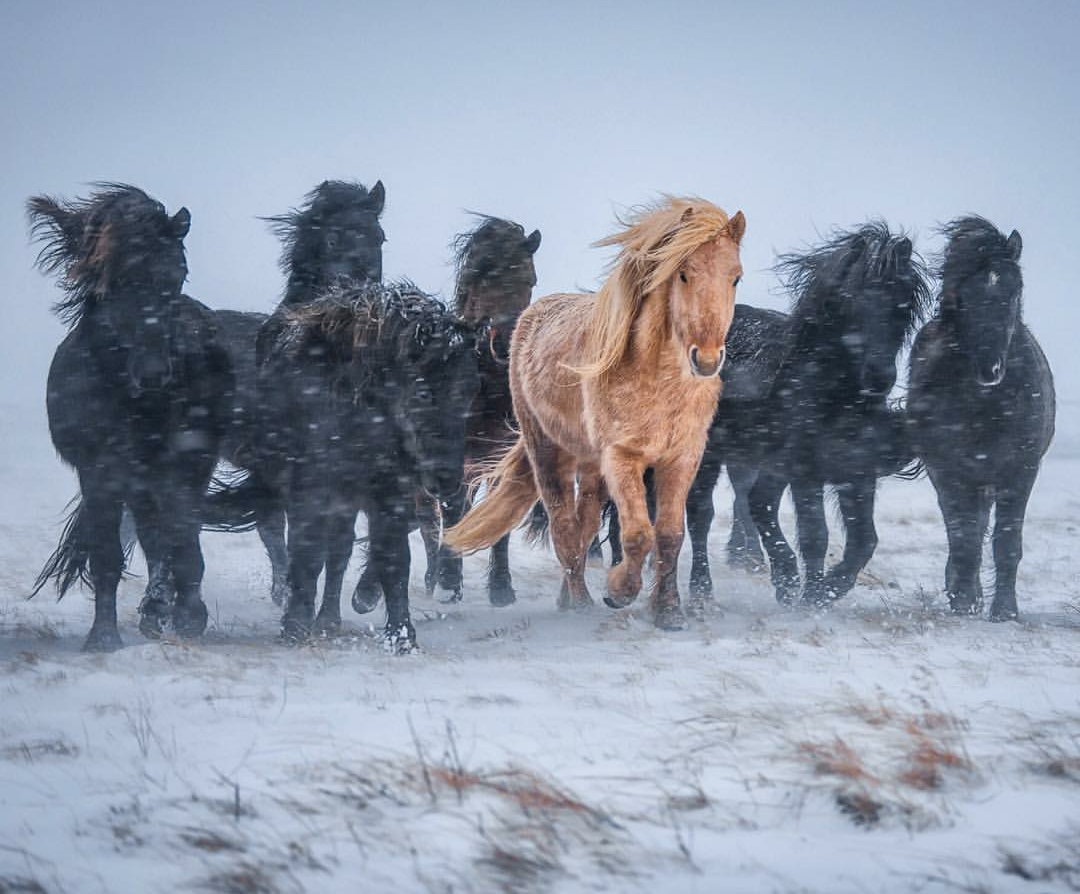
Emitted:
pixel 1015 245
pixel 532 243
pixel 377 197
pixel 181 223
pixel 737 227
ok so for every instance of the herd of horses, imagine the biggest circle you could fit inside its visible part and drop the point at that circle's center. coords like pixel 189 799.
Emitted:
pixel 625 404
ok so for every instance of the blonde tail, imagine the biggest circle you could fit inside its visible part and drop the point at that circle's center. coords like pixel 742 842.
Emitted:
pixel 511 494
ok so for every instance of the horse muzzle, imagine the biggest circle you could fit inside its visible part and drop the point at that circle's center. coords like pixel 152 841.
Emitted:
pixel 989 378
pixel 706 367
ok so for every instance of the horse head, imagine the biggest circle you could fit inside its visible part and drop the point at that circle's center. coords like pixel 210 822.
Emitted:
pixel 982 290
pixel 334 235
pixel 495 278
pixel 123 264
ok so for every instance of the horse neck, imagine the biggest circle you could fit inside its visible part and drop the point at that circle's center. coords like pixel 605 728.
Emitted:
pixel 816 365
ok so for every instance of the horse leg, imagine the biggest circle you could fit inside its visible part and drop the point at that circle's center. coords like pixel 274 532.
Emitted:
pixel 623 473
pixel 765 509
pixel 962 508
pixel 270 523
pixel 591 496
pixel 390 552
pixel 449 562
pixel 368 590
pixel 556 472
pixel 1008 546
pixel 699 519
pixel 307 554
pixel 102 509
pixel 856 500
pixel 672 482
pixel 428 516
pixel 340 535
pixel 500 584
pixel 744 545
pixel 156 605
pixel 813 534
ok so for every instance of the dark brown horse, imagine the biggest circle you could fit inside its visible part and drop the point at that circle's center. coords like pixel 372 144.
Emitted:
pixel 495 279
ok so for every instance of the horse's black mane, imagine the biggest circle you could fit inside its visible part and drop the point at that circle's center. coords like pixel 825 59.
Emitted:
pixel 326 201
pixel 479 251
pixel 845 259
pixel 972 242
pixel 70 236
pixel 385 319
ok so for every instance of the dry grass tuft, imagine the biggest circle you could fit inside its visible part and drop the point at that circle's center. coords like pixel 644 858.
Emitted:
pixel 32 751
pixel 18 884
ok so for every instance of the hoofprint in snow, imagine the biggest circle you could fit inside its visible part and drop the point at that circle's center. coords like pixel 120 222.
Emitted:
pixel 881 745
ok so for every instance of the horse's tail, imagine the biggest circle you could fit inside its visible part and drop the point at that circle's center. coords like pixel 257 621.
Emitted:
pixel 235 502
pixel 511 494
pixel 71 558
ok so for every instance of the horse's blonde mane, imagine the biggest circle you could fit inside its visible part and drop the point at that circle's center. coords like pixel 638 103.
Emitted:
pixel 655 240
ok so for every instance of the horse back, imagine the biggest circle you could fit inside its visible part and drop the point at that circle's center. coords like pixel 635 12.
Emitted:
pixel 547 344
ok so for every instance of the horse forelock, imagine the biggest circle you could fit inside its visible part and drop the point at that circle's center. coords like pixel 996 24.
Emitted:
pixel 971 244
pixel 654 242
pixel 837 270
pixel 83 239
pixel 329 200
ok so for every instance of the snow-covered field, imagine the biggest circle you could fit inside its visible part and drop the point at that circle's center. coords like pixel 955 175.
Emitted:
pixel 879 746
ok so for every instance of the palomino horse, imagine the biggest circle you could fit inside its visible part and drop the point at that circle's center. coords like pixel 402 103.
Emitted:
pixel 607 385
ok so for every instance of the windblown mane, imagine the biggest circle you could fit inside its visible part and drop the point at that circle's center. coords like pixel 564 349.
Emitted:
pixel 655 240
pixel 300 230
pixel 839 265
pixel 371 326
pixel 972 242
pixel 481 251
pixel 81 239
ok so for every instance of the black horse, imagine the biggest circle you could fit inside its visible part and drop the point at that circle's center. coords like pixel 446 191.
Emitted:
pixel 363 396
pixel 981 409
pixel 335 234
pixel 825 418
pixel 755 347
pixel 495 279
pixel 137 402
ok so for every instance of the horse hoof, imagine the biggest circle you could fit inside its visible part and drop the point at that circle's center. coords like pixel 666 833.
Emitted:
pixel 365 598
pixel 583 603
pixel 152 617
pixel 670 617
pixel 702 589
pixel 999 613
pixel 450 596
pixel 102 640
pixel 295 630
pixel 326 625
pixel 400 639
pixel 963 605
pixel 501 594
pixel 189 619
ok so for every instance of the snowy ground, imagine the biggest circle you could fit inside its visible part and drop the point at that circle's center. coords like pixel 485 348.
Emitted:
pixel 880 746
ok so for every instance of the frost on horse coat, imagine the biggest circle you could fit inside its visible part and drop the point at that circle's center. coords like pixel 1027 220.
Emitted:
pixel 607 385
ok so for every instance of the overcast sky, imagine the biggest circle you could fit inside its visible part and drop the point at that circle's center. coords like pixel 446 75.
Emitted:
pixel 804 115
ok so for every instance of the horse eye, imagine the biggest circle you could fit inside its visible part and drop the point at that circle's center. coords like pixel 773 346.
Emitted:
pixel 682 276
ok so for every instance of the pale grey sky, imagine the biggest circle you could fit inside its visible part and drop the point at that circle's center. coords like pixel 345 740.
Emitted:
pixel 804 115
